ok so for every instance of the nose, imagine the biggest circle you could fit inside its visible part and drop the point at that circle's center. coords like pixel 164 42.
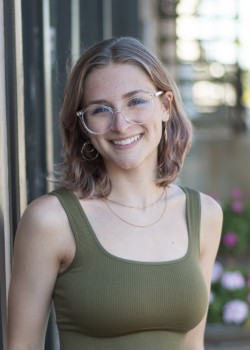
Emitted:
pixel 120 123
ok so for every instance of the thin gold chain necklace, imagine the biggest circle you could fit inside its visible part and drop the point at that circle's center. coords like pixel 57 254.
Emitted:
pixel 130 223
pixel 132 207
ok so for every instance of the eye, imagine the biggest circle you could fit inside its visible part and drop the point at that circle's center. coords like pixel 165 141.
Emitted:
pixel 137 100
pixel 94 110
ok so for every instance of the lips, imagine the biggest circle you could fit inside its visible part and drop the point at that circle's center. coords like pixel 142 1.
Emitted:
pixel 127 141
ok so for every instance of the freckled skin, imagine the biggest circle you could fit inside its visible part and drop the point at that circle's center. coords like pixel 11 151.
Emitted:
pixel 111 83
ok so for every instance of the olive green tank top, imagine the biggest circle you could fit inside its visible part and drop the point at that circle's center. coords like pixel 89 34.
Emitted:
pixel 106 302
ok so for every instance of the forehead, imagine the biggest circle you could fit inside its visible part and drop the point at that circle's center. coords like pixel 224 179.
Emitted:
pixel 115 80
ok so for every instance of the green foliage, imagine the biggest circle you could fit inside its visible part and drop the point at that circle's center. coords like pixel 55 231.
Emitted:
pixel 230 290
pixel 237 223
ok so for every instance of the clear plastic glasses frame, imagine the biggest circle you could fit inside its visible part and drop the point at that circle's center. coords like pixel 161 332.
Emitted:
pixel 98 119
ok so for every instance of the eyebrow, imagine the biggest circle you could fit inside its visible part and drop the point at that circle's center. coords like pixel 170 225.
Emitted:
pixel 106 102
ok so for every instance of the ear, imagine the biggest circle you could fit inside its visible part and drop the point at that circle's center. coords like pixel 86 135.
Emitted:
pixel 167 105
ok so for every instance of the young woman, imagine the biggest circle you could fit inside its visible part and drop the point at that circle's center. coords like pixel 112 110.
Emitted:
pixel 125 254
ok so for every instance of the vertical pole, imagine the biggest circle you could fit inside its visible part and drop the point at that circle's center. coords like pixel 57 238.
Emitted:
pixel 107 19
pixel 48 91
pixel 12 143
pixel 20 118
pixel 75 30
pixel 5 244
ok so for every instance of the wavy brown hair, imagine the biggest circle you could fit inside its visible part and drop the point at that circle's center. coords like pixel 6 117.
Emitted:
pixel 90 177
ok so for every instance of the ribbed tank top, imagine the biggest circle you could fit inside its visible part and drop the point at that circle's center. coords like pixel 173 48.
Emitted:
pixel 106 302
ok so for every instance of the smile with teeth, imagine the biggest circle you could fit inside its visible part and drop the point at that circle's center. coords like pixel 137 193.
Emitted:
pixel 126 141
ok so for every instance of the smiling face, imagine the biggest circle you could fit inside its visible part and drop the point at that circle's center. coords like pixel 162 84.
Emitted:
pixel 125 145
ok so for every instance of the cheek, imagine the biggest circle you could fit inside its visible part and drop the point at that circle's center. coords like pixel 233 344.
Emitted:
pixel 158 125
pixel 160 130
pixel 100 145
pixel 96 142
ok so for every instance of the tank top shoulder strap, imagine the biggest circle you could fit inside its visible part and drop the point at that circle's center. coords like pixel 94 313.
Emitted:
pixel 193 212
pixel 76 216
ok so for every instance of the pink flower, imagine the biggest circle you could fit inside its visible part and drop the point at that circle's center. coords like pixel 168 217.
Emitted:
pixel 237 193
pixel 232 280
pixel 237 206
pixel 235 311
pixel 230 239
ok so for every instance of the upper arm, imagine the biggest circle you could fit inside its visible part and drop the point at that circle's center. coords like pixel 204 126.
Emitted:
pixel 38 251
pixel 210 233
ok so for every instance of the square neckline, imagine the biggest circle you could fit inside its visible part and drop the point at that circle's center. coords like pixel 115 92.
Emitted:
pixel 104 251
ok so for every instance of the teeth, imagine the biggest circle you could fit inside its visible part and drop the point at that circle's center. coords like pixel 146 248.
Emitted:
pixel 127 141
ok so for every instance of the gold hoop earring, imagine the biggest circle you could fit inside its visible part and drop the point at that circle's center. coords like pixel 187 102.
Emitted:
pixel 87 151
pixel 166 132
pixel 169 106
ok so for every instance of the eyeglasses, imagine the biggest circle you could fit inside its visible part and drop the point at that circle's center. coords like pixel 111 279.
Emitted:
pixel 98 119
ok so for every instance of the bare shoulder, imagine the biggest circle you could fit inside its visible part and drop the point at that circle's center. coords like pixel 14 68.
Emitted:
pixel 211 222
pixel 44 210
pixel 44 224
pixel 210 209
pixel 42 249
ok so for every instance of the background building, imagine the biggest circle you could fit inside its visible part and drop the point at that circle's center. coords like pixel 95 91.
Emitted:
pixel 206 47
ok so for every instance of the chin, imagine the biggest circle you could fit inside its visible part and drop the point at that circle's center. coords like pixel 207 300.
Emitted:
pixel 127 164
pixel 131 165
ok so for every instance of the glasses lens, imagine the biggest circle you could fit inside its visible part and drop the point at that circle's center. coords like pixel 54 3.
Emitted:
pixel 98 118
pixel 139 108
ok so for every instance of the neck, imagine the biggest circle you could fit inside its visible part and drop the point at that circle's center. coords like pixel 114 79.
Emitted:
pixel 135 189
